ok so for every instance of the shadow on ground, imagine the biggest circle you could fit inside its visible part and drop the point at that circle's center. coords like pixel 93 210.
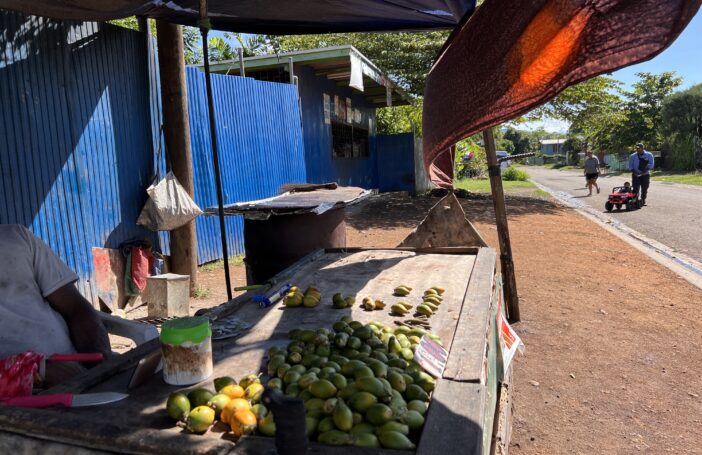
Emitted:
pixel 380 212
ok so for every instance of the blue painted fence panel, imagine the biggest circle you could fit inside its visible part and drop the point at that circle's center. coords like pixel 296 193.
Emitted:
pixel 396 162
pixel 75 140
pixel 260 149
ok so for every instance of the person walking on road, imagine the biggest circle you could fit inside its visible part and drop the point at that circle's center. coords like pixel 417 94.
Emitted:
pixel 640 165
pixel 592 171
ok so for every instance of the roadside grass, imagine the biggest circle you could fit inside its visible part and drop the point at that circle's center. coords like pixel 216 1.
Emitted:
pixel 693 178
pixel 561 167
pixel 483 185
pixel 540 193
pixel 217 265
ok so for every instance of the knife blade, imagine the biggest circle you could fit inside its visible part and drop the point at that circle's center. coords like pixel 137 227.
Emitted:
pixel 66 400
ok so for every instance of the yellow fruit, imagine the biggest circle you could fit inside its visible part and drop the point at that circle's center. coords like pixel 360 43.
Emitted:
pixel 254 392
pixel 310 301
pixel 248 380
pixel 230 408
pixel 220 383
pixel 242 422
pixel 379 304
pixel 439 290
pixel 200 419
pixel 233 391
pixel 401 291
pixel 398 309
pixel 369 305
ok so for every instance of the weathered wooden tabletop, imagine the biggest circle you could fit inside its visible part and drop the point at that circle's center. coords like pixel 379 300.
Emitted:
pixel 138 424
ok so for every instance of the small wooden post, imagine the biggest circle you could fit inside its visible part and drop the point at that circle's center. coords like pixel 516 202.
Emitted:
pixel 498 200
pixel 176 132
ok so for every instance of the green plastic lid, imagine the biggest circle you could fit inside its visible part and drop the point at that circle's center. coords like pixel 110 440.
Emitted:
pixel 178 331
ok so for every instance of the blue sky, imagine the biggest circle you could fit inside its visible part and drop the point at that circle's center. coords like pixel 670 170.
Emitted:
pixel 684 57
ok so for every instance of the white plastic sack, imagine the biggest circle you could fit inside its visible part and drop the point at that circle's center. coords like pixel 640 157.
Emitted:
pixel 169 206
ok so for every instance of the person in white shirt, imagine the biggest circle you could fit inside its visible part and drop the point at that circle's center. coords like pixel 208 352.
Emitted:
pixel 41 309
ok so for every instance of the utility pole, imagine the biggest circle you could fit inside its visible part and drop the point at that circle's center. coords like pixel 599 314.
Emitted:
pixel 498 200
pixel 176 131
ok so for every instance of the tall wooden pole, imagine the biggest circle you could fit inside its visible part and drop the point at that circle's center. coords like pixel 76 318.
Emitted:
pixel 176 132
pixel 498 200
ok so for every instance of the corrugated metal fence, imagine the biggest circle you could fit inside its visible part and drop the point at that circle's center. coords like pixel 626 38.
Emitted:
pixel 75 142
pixel 79 117
pixel 260 148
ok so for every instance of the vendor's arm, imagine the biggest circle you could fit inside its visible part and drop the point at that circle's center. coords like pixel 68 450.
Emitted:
pixel 650 161
pixel 87 332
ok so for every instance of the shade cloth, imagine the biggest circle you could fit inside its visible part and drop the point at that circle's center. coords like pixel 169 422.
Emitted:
pixel 265 16
pixel 512 56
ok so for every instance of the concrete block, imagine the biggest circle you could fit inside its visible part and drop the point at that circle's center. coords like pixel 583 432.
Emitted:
pixel 168 295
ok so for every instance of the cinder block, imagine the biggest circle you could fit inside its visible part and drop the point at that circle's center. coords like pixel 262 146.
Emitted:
pixel 168 295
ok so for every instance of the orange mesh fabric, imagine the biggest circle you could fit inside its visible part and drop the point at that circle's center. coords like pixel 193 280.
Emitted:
pixel 514 55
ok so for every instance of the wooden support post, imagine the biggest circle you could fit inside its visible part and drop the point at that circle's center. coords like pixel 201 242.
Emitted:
pixel 498 200
pixel 176 131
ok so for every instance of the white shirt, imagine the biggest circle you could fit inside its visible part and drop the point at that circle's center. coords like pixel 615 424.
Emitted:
pixel 30 271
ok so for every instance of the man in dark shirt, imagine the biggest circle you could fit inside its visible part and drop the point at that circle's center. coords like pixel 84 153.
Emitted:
pixel 640 165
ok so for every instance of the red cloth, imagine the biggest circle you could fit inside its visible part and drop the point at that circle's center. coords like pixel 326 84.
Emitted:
pixel 512 56
pixel 142 260
pixel 17 374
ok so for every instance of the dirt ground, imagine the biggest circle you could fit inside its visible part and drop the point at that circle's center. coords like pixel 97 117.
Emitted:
pixel 613 345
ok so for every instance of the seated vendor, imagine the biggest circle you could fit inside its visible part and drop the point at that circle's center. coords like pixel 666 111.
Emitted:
pixel 40 308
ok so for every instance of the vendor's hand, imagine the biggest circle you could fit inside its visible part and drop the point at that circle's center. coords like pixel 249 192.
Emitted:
pixel 58 372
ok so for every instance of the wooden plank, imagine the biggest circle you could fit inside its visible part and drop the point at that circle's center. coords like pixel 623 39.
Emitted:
pixel 454 423
pixel 470 342
pixel 370 272
pixel 503 418
pixel 84 431
pixel 106 369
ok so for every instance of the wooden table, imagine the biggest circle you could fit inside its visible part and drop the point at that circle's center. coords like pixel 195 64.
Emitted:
pixel 462 410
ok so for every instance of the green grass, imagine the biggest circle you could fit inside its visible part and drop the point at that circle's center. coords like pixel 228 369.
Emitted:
pixel 540 193
pixel 483 186
pixel 201 292
pixel 693 178
pixel 217 265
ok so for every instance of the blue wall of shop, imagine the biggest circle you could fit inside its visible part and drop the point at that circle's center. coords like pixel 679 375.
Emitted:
pixel 320 165
pixel 79 129
pixel 396 162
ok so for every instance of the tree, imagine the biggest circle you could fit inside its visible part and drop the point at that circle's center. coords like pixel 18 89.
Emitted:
pixel 400 119
pixel 643 108
pixel 681 116
pixel 406 56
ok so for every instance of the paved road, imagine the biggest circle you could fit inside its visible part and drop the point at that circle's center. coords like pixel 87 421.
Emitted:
pixel 672 216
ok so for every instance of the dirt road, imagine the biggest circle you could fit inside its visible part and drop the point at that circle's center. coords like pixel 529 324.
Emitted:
pixel 672 216
pixel 613 341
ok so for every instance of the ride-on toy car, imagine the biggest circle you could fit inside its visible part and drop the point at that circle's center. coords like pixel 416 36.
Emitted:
pixel 621 195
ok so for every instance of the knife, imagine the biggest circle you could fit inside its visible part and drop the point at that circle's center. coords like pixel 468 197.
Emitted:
pixel 66 400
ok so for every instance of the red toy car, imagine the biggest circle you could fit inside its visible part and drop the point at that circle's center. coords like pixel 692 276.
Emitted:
pixel 625 196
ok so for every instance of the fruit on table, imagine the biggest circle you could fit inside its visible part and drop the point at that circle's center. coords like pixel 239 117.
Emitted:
pixel 218 402
pixel 254 392
pixel 234 405
pixel 295 297
pixel 398 309
pixel 402 290
pixel 249 379
pixel 199 397
pixel 200 419
pixel 357 382
pixel 242 422
pixel 220 383
pixel 178 406
pixel 233 391
pixel 259 410
pixel 423 309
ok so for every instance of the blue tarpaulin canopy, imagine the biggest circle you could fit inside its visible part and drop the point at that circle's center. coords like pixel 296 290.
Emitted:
pixel 266 16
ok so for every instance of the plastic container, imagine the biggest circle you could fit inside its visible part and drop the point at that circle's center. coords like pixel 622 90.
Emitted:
pixel 187 350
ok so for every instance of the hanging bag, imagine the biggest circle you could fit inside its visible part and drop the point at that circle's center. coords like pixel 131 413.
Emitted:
pixel 169 206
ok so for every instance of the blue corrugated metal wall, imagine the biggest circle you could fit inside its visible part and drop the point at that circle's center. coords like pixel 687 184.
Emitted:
pixel 75 141
pixel 395 162
pixel 79 116
pixel 260 149
pixel 321 167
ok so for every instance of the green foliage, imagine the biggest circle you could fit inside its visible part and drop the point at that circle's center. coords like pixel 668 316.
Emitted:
pixel 405 56
pixel 514 174
pixel 682 124
pixel 400 119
